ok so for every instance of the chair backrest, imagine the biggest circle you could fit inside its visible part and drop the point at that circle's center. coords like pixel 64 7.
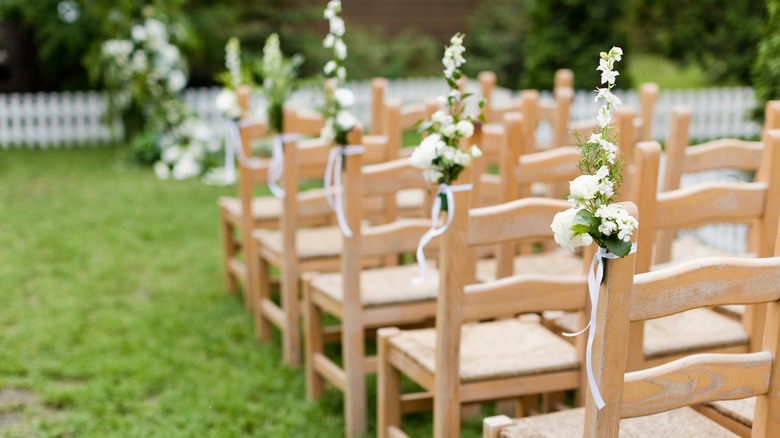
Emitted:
pixel 756 203
pixel 460 300
pixel 627 298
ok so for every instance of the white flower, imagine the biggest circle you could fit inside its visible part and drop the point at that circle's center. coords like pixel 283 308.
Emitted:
pixel 328 41
pixel 337 26
pixel 162 170
pixel 171 154
pixel 185 168
pixel 462 158
pixel 449 130
pixel 608 76
pixel 345 120
pixel 344 97
pixel 616 53
pixel 604 116
pixel 584 187
pixel 605 94
pixel 139 60
pixel 227 104
pixel 432 175
pixel 138 33
pixel 475 151
pixel 341 73
pixel 170 53
pixel 424 154
pixel 442 118
pixel 117 47
pixel 176 81
pixel 614 217
pixel 564 236
pixel 329 67
pixel 341 49
pixel 448 153
pixel 465 128
pixel 328 132
pixel 155 29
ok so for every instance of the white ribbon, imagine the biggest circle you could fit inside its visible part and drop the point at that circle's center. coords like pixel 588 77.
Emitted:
pixel 276 165
pixel 594 283
pixel 448 190
pixel 232 138
pixel 332 182
pixel 235 134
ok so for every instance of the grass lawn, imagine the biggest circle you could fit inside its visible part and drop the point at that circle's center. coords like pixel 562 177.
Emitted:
pixel 113 317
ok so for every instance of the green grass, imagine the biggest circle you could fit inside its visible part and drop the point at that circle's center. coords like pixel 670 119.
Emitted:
pixel 114 318
pixel 664 72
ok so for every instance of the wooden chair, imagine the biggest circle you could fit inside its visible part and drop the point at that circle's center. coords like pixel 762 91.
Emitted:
pixel 295 249
pixel 518 174
pixel 261 211
pixel 365 299
pixel 463 360
pixel 653 402
pixel 757 202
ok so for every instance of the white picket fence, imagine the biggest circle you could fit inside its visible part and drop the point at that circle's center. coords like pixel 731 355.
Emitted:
pixel 67 119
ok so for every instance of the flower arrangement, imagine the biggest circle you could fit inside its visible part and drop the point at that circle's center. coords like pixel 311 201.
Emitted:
pixel 338 120
pixel 439 153
pixel 280 80
pixel 189 150
pixel 145 75
pixel 594 216
pixel 227 100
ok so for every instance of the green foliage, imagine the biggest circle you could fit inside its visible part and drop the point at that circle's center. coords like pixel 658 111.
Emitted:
pixel 569 34
pixel 766 68
pixel 721 36
pixel 497 30
pixel 145 147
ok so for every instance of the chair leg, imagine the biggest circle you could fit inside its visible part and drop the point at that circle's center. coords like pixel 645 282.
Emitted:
pixel 260 288
pixel 353 356
pixel 388 385
pixel 229 251
pixel 291 332
pixel 313 342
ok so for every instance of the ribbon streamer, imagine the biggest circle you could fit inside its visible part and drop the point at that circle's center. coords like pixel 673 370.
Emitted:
pixel 232 137
pixel 250 162
pixel 448 190
pixel 276 165
pixel 332 182
pixel 594 281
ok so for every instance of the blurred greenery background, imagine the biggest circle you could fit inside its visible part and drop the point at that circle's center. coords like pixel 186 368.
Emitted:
pixel 524 41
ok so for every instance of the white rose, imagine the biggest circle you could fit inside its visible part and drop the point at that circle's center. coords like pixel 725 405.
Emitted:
pixel 345 120
pixel 584 187
pixel 424 154
pixel 564 236
pixel 475 151
pixel 344 97
pixel 448 153
pixel 465 128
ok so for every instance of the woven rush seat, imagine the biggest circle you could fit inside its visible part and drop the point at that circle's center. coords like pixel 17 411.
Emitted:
pixel 677 423
pixel 525 348
pixel 264 208
pixel 741 410
pixel 310 243
pixel 557 262
pixel 697 328
pixel 384 286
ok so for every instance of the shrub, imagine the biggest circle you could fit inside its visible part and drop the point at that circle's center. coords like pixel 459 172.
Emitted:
pixel 766 69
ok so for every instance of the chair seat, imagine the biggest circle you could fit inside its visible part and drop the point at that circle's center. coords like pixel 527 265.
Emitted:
pixel 311 243
pixel 741 410
pixel 526 348
pixel 383 286
pixel 264 208
pixel 410 198
pixel 697 329
pixel 678 423
pixel 557 262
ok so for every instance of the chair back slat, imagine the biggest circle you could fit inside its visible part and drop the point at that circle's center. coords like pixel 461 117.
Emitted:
pixel 695 379
pixel 710 203
pixel 559 164
pixel 524 294
pixel 390 177
pixel 705 282
pixel 396 237
pixel 527 218
pixel 724 153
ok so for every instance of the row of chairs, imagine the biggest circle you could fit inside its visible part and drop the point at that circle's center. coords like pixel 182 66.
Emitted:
pixel 367 299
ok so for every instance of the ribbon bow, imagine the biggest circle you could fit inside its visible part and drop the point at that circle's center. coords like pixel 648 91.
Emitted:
pixel 594 281
pixel 448 190
pixel 332 182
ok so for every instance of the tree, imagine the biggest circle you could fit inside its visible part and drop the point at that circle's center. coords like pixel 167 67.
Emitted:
pixel 766 69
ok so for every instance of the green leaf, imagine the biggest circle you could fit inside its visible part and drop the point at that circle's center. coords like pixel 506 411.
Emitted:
pixel 585 217
pixel 617 246
pixel 451 83
pixel 580 229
